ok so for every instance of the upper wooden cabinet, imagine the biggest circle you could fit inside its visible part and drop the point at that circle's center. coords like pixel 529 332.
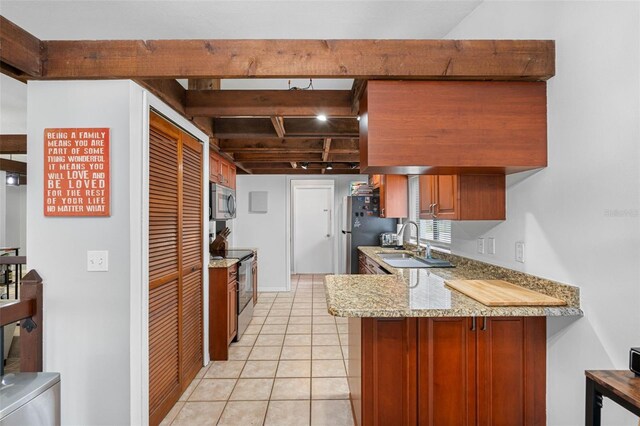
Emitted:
pixel 393 194
pixel 453 127
pixel 462 197
pixel 221 171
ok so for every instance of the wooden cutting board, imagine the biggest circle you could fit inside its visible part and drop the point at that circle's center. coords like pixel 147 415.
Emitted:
pixel 502 293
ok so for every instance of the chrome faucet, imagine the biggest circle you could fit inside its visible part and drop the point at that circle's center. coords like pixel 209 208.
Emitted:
pixel 428 250
pixel 401 234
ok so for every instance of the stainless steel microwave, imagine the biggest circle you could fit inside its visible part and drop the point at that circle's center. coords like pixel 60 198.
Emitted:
pixel 223 203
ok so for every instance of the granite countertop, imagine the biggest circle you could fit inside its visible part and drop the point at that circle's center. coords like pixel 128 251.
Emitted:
pixel 225 263
pixel 421 292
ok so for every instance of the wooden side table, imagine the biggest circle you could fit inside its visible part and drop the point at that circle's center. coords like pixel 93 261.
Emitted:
pixel 621 386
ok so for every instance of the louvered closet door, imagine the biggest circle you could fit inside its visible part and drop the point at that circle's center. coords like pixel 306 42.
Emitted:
pixel 164 274
pixel 192 227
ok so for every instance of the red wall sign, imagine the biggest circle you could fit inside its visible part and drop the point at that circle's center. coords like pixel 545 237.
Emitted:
pixel 76 172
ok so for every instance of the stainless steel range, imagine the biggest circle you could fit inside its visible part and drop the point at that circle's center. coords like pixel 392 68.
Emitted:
pixel 244 288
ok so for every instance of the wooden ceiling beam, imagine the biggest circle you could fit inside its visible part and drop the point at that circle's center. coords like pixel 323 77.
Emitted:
pixel 300 171
pixel 326 148
pixel 241 128
pixel 282 165
pixel 268 156
pixel 172 93
pixel 13 166
pixel 229 103
pixel 13 144
pixel 356 93
pixel 278 126
pixel 21 53
pixel 271 145
pixel 203 84
pixel 333 127
pixel 360 59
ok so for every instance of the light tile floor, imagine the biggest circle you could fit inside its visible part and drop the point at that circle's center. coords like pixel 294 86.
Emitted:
pixel 288 369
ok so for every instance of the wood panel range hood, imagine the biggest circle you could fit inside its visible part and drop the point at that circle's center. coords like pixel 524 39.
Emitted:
pixel 275 131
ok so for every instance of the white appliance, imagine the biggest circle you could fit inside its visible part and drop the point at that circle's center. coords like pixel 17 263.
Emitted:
pixel 222 203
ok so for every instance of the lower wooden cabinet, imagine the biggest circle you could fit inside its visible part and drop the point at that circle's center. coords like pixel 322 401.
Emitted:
pixel 368 266
pixel 448 371
pixel 223 310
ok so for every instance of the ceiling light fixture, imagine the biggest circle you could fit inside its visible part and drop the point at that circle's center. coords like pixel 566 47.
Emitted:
pixel 321 117
pixel 358 117
pixel 329 166
pixel 354 165
pixel 304 165
pixel 13 179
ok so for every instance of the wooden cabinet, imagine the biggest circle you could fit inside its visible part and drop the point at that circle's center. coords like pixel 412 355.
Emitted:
pixel 223 310
pixel 368 266
pixel 453 127
pixel 462 197
pixel 394 192
pixel 214 167
pixel 448 371
pixel 254 277
pixel 175 264
pixel 232 311
pixel 221 171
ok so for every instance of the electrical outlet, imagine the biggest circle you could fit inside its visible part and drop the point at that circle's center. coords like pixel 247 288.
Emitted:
pixel 481 245
pixel 97 260
pixel 520 251
pixel 491 249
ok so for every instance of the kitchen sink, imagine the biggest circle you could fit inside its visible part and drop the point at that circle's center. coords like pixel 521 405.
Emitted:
pixel 406 260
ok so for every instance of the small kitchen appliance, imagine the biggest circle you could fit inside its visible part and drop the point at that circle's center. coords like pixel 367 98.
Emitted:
pixel 388 239
pixel 222 203
pixel 634 360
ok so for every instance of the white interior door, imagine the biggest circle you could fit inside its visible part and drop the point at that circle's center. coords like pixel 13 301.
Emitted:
pixel 313 229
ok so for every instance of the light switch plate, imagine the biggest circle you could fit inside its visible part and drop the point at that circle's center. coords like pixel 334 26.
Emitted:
pixel 491 249
pixel 97 260
pixel 520 251
pixel 481 245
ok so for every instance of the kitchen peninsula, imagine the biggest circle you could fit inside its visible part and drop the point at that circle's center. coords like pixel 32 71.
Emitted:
pixel 427 354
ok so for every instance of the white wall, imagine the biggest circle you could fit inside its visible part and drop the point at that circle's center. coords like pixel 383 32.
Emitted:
pixel 271 232
pixel 591 185
pixel 86 314
pixel 16 217
pixel 95 323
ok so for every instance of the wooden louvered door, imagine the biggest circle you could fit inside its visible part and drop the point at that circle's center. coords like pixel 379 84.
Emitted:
pixel 191 258
pixel 175 264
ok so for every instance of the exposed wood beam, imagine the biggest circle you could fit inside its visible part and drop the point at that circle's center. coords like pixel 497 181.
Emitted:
pixel 13 144
pixel 278 125
pixel 204 84
pixel 356 93
pixel 172 93
pixel 276 146
pixel 268 156
pixel 20 51
pixel 362 59
pixel 229 103
pixel 333 127
pixel 282 165
pixel 13 166
pixel 326 148
pixel 232 128
pixel 299 171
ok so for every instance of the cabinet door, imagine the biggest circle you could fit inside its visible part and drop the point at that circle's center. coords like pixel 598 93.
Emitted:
pixel 511 371
pixel 427 191
pixel 232 311
pixel 446 197
pixel 447 372
pixel 214 167
pixel 225 170
pixel 374 181
pixel 232 176
pixel 389 371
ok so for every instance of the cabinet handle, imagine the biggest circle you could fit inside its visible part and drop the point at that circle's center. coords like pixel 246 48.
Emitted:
pixel 431 208
pixel 382 211
pixel 434 210
pixel 484 323
pixel 473 324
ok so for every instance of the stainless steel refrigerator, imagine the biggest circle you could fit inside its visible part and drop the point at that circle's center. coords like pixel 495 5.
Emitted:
pixel 362 226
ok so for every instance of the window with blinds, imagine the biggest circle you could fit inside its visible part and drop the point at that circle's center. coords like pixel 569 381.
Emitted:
pixel 438 231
